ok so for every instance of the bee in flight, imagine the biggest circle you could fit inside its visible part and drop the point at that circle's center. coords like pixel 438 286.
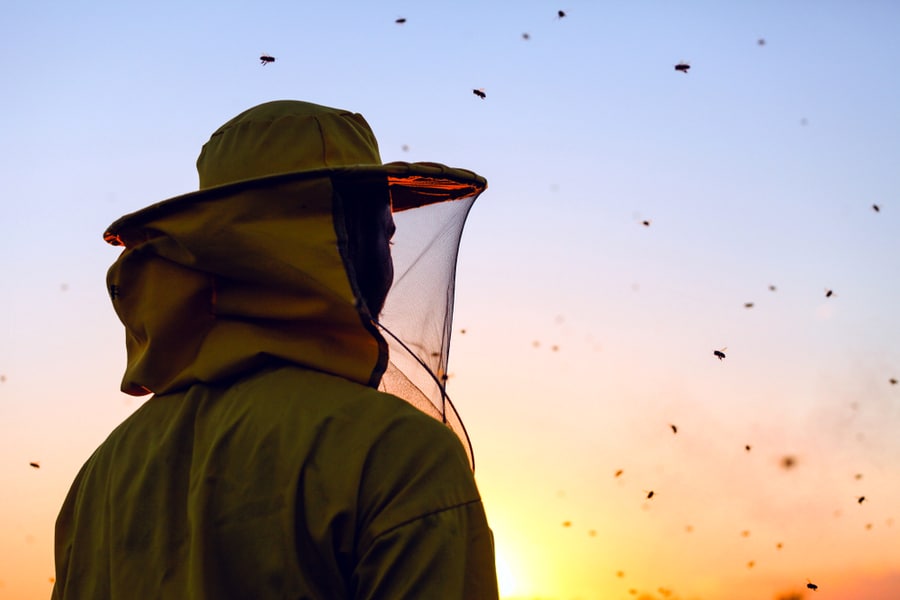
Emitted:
pixel 683 67
pixel 36 465
pixel 560 14
pixel 266 59
pixel 811 585
pixel 400 21
pixel 720 354
pixel 480 93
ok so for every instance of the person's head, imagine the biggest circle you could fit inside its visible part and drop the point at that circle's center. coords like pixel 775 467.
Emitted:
pixel 269 179
pixel 370 225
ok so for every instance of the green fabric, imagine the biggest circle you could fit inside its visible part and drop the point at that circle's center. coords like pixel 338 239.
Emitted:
pixel 285 136
pixel 289 483
pixel 217 289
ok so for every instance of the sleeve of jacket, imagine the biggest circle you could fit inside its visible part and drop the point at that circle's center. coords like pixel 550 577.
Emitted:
pixel 424 532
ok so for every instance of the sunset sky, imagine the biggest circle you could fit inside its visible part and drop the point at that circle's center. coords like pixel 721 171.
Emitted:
pixel 587 334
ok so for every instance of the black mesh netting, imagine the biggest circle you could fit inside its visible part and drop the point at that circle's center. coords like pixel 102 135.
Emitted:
pixel 418 316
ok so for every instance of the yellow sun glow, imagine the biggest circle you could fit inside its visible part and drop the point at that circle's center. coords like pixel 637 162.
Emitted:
pixel 507 577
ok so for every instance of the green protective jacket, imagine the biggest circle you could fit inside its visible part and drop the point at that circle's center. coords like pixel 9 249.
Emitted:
pixel 266 465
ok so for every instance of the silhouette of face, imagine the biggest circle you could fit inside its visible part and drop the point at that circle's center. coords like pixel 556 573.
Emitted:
pixel 370 226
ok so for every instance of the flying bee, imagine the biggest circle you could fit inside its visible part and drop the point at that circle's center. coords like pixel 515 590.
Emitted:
pixel 646 222
pixel 266 59
pixel 811 585
pixel 893 380
pixel 560 14
pixel 400 21
pixel 747 447
pixel 748 305
pixel 683 67
pixel 618 473
pixel 526 36
pixel 35 464
pixel 674 428
pixel 829 293
pixel 861 499
pixel 650 494
pixel 772 288
pixel 480 93
pixel 761 42
pixel 720 354
pixel 876 208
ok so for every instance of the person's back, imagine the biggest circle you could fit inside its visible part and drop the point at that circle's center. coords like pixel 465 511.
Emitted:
pixel 288 484
pixel 267 465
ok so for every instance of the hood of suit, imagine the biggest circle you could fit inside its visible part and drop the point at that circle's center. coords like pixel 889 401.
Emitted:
pixel 229 283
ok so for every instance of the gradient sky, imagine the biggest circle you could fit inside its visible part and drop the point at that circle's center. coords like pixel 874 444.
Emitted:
pixel 587 334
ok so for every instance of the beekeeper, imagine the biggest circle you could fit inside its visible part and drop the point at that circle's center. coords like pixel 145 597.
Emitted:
pixel 268 463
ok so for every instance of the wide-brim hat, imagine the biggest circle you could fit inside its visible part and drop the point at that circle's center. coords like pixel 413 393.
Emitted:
pixel 288 139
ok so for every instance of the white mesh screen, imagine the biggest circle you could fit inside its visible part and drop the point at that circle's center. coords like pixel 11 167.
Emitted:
pixel 418 315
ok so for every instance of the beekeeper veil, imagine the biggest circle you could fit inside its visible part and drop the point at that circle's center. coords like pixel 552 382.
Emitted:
pixel 260 226
pixel 417 319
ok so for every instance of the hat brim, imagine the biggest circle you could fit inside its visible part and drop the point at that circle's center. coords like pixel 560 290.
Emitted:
pixel 411 184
